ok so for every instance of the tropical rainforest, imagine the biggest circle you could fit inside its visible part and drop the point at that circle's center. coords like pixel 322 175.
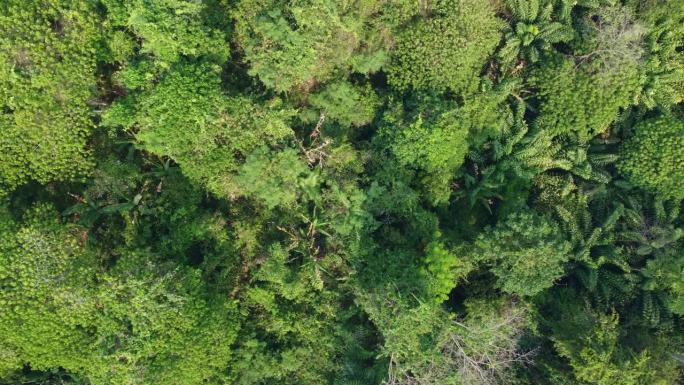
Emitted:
pixel 342 192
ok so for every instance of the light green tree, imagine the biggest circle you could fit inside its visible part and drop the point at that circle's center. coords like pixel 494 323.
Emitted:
pixel 652 158
pixel 48 57
pixel 167 30
pixel 140 321
pixel 447 48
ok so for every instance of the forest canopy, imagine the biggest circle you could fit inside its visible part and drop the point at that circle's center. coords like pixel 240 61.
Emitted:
pixel 342 192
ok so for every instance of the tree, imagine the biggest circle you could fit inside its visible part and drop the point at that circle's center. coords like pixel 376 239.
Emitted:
pixel 665 67
pixel 105 324
pixel 432 136
pixel 533 31
pixel 446 49
pixel 292 334
pixel 47 79
pixel 664 273
pixel 652 157
pixel 294 47
pixel 580 102
pixel 580 98
pixel 168 30
pixel 436 147
pixel 443 270
pixel 595 348
pixel 272 177
pixel 476 349
pixel 309 192
pixel 348 104
pixel 526 252
pixel 188 118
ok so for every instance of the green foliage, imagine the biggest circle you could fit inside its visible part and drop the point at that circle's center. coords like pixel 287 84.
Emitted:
pixel 613 38
pixel 140 314
pixel 652 229
pixel 299 45
pixel 272 177
pixel 579 102
pixel 443 270
pixel 652 157
pixel 168 30
pixel 437 148
pixel 47 77
pixel 665 66
pixel 447 49
pixel 592 363
pixel 40 261
pixel 432 136
pixel 534 30
pixel 291 333
pixel 526 252
pixel 425 345
pixel 345 103
pixel 511 157
pixel 665 273
pixel 188 118
pixel 580 98
pixel 487 340
pixel 597 359
pixel 254 192
pixel 411 332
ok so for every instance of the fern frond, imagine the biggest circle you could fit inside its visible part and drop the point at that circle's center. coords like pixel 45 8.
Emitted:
pixel 532 10
pixel 587 276
pixel 565 10
pixel 518 9
pixel 533 54
pixel 659 210
pixel 510 51
pixel 556 33
pixel 603 159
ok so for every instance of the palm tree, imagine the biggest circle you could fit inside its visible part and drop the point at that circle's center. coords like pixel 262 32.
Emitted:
pixel 533 30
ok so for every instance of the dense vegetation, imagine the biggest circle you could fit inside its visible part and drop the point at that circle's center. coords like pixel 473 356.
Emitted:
pixel 337 192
